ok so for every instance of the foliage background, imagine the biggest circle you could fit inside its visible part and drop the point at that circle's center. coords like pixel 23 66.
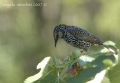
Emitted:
pixel 26 31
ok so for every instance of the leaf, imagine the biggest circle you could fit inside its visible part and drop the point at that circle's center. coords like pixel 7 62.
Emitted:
pixel 37 76
pixel 77 69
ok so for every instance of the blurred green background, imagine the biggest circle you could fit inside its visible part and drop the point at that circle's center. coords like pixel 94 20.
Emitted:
pixel 26 31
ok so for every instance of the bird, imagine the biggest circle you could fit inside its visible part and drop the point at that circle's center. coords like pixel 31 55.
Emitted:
pixel 76 36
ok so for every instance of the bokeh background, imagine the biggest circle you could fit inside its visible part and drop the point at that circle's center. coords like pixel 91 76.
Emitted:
pixel 26 31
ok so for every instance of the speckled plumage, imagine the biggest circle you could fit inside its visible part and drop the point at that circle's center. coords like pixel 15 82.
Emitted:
pixel 75 36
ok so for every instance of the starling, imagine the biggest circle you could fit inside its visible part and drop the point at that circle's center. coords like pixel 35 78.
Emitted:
pixel 75 36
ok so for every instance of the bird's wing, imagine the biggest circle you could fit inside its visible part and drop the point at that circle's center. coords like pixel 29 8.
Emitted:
pixel 83 34
pixel 79 33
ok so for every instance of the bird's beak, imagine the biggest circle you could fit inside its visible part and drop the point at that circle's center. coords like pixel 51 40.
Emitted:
pixel 56 40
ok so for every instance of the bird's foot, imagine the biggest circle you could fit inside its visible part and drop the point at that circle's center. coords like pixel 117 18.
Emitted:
pixel 83 52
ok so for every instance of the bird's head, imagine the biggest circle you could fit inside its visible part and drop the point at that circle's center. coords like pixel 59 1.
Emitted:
pixel 58 32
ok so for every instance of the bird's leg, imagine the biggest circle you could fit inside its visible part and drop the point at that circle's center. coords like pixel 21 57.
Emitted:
pixel 83 52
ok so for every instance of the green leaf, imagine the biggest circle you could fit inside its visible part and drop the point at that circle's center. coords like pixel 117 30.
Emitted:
pixel 76 68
